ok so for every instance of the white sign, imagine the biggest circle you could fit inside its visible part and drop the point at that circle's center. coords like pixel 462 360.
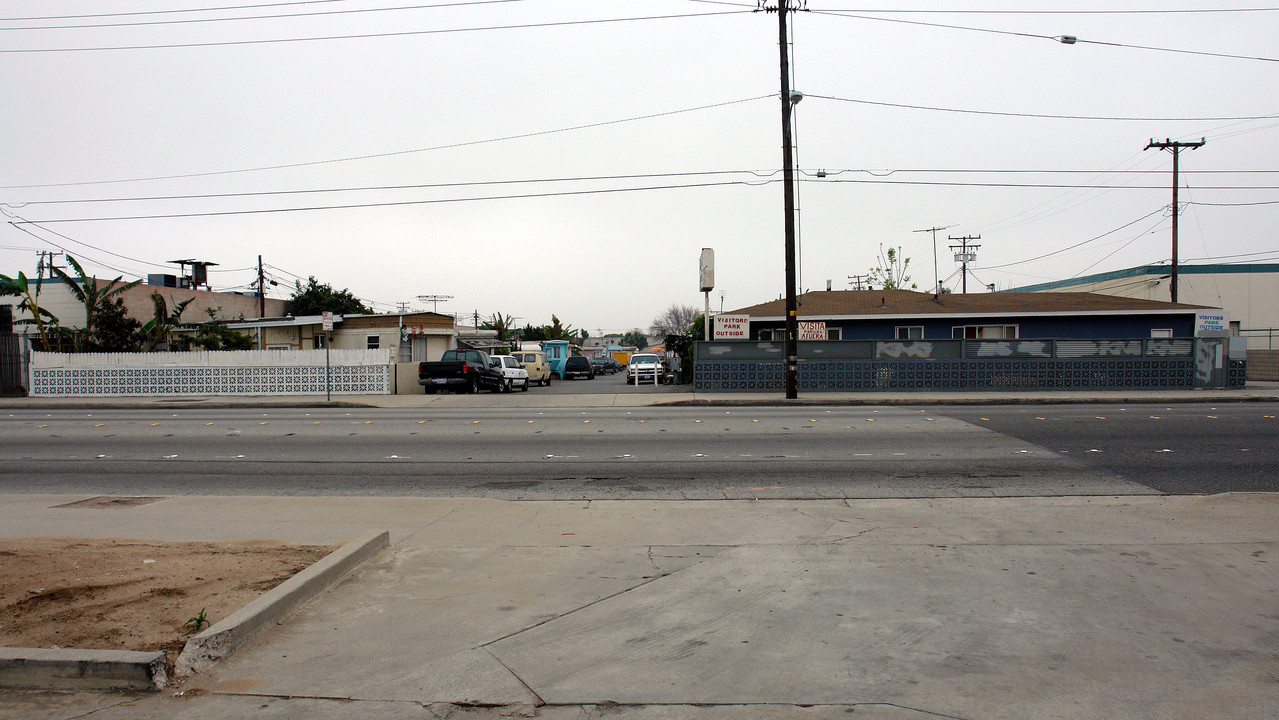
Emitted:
pixel 1212 323
pixel 732 327
pixel 706 270
pixel 812 331
pixel 326 320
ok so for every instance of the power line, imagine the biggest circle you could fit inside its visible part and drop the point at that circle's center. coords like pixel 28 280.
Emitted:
pixel 383 188
pixel 1044 115
pixel 1076 245
pixel 169 12
pixel 605 191
pixel 65 250
pixel 24 221
pixel 278 16
pixel 899 11
pixel 365 36
pixel 1064 39
pixel 449 146
pixel 1244 204
pixel 1132 240
pixel 399 203
pixel 596 178
pixel 1050 186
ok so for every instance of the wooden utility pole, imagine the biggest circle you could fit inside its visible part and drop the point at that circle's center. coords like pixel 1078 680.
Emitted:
pixel 261 290
pixel 788 182
pixel 964 256
pixel 1175 147
pixel 936 280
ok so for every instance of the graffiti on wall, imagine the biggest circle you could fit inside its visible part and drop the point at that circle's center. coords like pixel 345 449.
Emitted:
pixel 904 350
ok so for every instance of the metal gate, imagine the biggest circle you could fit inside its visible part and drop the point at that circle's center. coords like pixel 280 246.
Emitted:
pixel 12 379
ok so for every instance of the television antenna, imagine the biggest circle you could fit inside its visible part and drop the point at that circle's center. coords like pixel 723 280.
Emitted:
pixel 435 300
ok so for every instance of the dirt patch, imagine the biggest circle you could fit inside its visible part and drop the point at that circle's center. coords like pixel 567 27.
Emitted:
pixel 132 594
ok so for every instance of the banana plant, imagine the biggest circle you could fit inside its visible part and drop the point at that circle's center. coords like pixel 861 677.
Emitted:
pixel 158 329
pixel 90 294
pixel 46 323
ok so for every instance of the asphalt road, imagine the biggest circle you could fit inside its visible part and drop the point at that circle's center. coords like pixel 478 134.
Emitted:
pixel 648 452
pixel 1178 449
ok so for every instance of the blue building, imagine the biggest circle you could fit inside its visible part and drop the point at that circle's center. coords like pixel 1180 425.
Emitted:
pixel 905 340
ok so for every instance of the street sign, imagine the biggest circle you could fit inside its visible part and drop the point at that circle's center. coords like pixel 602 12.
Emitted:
pixel 327 321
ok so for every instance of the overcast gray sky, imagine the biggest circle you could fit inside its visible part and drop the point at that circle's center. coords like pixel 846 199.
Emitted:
pixel 572 157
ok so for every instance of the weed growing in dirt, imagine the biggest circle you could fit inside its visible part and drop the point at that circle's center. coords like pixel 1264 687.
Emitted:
pixel 196 622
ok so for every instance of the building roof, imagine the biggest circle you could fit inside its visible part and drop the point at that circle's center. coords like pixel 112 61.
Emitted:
pixel 869 304
pixel 424 320
pixel 1156 270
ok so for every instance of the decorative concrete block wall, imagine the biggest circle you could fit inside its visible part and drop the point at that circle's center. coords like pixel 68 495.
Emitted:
pixel 250 372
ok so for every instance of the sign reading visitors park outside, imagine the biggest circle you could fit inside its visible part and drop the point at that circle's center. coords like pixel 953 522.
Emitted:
pixel 732 327
pixel 1212 323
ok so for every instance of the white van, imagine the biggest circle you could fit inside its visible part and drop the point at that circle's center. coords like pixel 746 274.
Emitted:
pixel 534 361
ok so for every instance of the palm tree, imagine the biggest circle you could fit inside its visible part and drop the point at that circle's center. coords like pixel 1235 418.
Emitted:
pixel 499 322
pixel 557 331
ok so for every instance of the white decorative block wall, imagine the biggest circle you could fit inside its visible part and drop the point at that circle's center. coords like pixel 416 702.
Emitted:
pixel 268 372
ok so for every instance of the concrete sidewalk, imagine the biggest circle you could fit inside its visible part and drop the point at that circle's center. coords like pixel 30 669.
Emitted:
pixel 982 609
pixel 681 395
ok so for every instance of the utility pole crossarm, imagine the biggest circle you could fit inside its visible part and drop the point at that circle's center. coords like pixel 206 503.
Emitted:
pixel 964 247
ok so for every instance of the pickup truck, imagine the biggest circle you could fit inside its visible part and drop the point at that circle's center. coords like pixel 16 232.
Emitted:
pixel 467 370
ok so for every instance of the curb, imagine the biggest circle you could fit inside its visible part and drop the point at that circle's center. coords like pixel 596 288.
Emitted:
pixel 933 400
pixel 231 632
pixel 81 669
pixel 74 669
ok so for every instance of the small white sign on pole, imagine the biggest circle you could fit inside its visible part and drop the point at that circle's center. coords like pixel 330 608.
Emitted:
pixel 732 327
pixel 706 270
pixel 326 320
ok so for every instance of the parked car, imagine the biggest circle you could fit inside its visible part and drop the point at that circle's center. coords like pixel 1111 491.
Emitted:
pixel 467 370
pixel 602 365
pixel 514 375
pixel 644 367
pixel 578 366
pixel 535 362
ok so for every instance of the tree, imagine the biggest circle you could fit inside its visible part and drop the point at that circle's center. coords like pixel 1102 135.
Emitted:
pixel 674 320
pixel 533 334
pixel 890 271
pixel 559 331
pixel 214 335
pixel 95 300
pixel 46 323
pixel 499 323
pixel 635 338
pixel 317 297
pixel 113 329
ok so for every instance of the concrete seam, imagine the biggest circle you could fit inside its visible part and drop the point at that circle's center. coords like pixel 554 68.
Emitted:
pixel 534 693
pixel 619 593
